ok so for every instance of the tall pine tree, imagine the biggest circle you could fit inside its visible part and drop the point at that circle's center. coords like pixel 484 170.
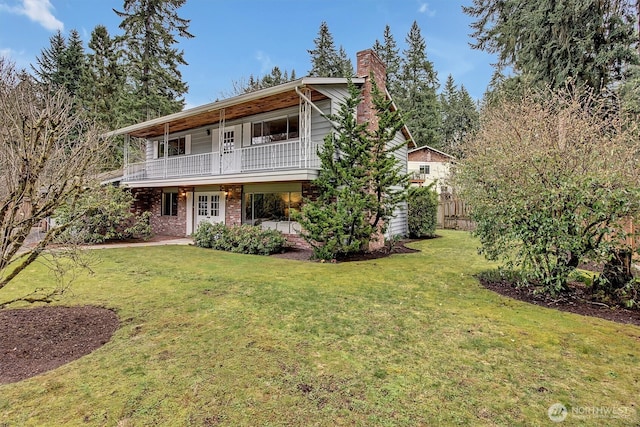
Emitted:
pixel 150 31
pixel 416 92
pixel 103 83
pixel 326 61
pixel 62 64
pixel 460 117
pixel 73 63
pixel 389 53
pixel 590 43
pixel 51 61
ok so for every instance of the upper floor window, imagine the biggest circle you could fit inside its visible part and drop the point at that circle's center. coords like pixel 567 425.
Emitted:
pixel 278 129
pixel 177 147
pixel 424 169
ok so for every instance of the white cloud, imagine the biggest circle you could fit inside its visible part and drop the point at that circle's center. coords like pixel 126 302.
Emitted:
pixel 38 11
pixel 266 64
pixel 424 8
pixel 6 52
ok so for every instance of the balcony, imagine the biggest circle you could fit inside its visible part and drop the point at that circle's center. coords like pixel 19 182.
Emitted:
pixel 259 158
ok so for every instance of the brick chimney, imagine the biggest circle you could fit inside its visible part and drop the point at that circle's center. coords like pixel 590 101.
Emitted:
pixel 370 64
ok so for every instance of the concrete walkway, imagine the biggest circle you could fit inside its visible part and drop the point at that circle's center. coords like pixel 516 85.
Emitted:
pixel 36 235
pixel 176 241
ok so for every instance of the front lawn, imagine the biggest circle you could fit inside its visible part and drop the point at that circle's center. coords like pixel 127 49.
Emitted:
pixel 212 338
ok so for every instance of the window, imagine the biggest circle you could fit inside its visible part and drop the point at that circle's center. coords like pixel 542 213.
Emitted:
pixel 177 146
pixel 279 129
pixel 169 204
pixel 424 169
pixel 267 209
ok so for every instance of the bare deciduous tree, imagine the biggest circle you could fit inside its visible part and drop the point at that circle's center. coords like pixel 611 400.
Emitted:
pixel 49 156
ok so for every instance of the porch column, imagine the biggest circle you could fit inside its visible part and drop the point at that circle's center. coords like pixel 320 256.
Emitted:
pixel 305 128
pixel 125 155
pixel 221 148
pixel 166 147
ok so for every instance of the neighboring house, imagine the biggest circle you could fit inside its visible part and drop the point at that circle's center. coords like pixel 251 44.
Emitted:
pixel 250 159
pixel 427 165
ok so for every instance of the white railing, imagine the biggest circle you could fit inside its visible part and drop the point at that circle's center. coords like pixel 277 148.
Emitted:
pixel 283 155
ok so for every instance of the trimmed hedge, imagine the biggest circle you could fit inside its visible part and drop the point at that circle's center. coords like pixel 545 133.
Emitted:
pixel 243 239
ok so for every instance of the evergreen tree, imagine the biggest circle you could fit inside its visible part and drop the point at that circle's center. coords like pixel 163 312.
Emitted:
pixel 360 182
pixel 103 83
pixel 151 28
pixel 50 62
pixel 459 118
pixel 326 61
pixel 73 63
pixel 390 55
pixel 345 64
pixel 590 43
pixel 62 64
pixel 448 104
pixel 630 92
pixel 416 92
pixel 469 117
pixel 253 83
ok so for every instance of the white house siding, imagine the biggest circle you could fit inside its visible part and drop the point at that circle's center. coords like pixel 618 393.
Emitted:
pixel 200 141
pixel 438 172
pixel 399 223
pixel 320 126
pixel 337 93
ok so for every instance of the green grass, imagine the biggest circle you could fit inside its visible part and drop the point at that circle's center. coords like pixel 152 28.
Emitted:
pixel 212 338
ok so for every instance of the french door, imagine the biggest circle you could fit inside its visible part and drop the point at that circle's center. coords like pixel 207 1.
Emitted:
pixel 209 207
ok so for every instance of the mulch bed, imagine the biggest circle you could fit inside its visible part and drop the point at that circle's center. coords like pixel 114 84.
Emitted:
pixel 577 301
pixel 37 340
pixel 299 254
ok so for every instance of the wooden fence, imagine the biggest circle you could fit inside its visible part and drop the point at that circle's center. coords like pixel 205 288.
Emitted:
pixel 454 214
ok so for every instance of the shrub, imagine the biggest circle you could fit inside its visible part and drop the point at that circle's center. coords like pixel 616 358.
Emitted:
pixel 551 180
pixel 244 239
pixel 103 214
pixel 423 211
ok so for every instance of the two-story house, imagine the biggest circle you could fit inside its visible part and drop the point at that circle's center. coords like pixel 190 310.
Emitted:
pixel 249 159
pixel 427 165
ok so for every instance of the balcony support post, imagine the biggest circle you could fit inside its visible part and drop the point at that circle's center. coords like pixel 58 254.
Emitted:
pixel 166 147
pixel 305 126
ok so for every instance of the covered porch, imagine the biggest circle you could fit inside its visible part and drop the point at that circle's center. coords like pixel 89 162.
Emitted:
pixel 221 138
pixel 296 154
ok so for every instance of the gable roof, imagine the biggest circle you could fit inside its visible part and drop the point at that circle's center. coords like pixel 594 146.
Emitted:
pixel 426 147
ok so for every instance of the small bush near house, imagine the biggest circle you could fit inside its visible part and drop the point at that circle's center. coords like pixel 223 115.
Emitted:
pixel 103 214
pixel 423 211
pixel 243 239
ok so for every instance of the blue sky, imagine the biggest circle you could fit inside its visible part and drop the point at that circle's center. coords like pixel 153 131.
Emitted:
pixel 237 38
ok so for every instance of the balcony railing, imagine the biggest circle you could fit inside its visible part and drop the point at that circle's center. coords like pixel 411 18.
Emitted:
pixel 279 156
